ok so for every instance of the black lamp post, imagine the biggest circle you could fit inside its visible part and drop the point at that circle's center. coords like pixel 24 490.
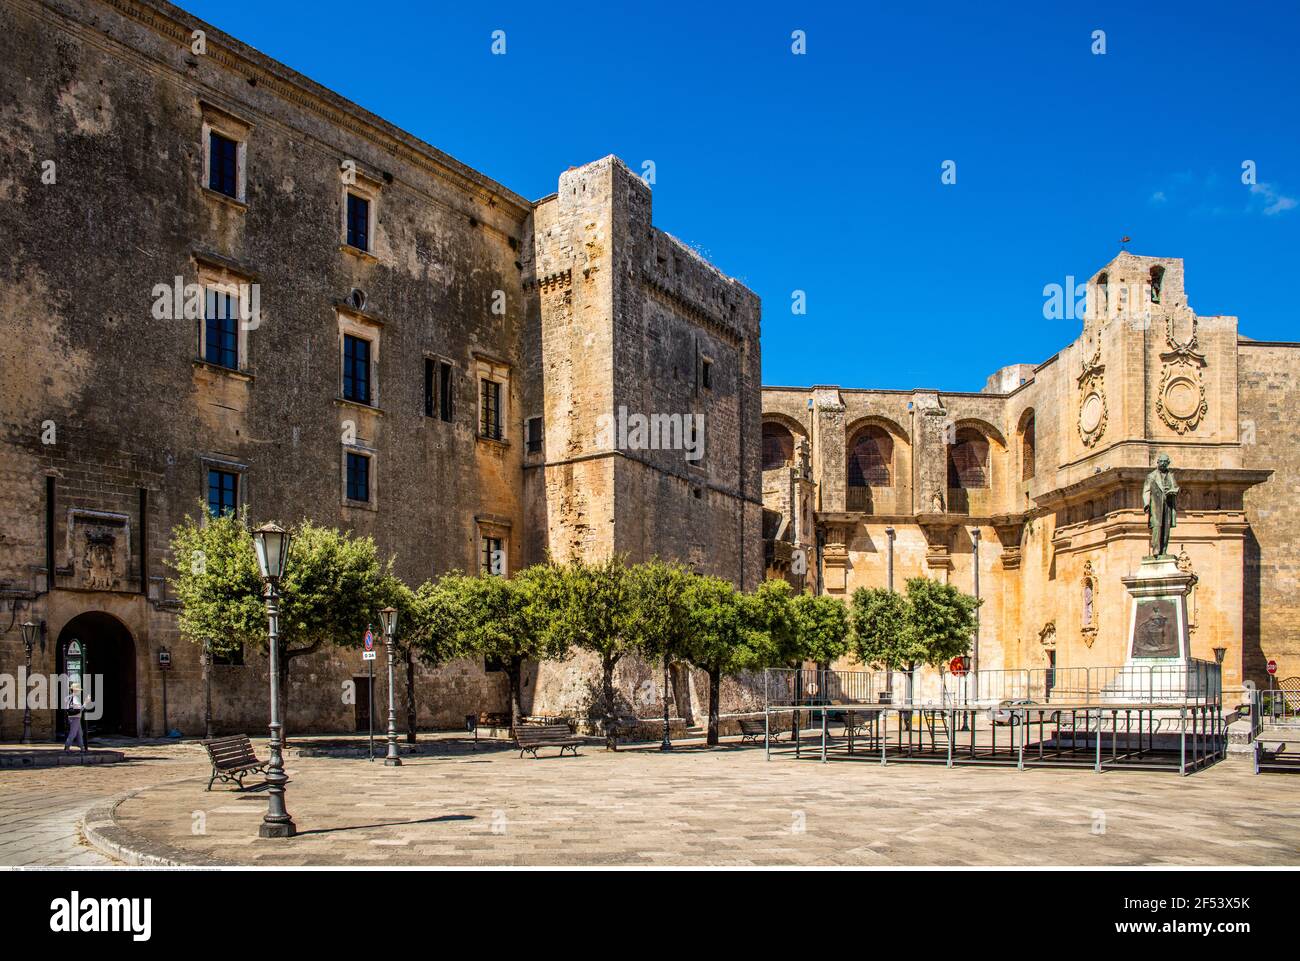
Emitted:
pixel 272 544
pixel 388 618
pixel 30 631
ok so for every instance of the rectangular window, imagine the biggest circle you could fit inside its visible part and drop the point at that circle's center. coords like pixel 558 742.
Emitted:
pixel 223 491
pixel 428 387
pixel 490 410
pixel 221 330
pixel 223 164
pixel 358 477
pixel 445 406
pixel 356 369
pixel 493 559
pixel 358 222
pixel 533 433
pixel 706 375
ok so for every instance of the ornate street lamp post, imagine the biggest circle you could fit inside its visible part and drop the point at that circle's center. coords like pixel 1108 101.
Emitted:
pixel 272 544
pixel 388 617
pixel 667 744
pixel 30 631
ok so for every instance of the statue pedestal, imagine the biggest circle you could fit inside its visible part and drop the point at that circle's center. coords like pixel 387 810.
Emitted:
pixel 1159 647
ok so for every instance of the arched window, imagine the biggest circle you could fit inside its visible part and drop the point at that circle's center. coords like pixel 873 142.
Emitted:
pixel 1103 295
pixel 968 460
pixel 871 458
pixel 1027 449
pixel 1157 281
pixel 778 445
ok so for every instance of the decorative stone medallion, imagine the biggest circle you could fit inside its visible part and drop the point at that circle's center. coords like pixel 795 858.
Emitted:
pixel 1181 401
pixel 1093 412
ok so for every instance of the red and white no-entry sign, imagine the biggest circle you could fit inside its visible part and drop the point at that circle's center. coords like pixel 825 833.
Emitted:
pixel 1272 666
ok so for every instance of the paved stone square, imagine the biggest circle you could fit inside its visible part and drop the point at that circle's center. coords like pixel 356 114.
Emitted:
pixel 457 806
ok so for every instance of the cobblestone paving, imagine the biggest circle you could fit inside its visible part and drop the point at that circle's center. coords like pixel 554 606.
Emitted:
pixel 41 808
pixel 724 807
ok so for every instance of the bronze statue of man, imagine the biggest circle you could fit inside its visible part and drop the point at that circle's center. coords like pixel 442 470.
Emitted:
pixel 1159 500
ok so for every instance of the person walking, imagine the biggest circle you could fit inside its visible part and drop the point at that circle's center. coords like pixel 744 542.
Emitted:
pixel 75 707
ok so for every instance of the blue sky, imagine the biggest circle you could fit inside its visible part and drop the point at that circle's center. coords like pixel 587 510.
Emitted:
pixel 821 172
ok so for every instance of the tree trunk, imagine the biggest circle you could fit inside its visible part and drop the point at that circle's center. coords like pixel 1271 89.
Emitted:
pixel 607 688
pixel 412 716
pixel 715 695
pixel 513 672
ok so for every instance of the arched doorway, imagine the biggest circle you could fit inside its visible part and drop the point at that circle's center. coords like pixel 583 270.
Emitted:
pixel 110 653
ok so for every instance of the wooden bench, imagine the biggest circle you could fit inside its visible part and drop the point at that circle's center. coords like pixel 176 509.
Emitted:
pixel 232 759
pixel 751 728
pixel 529 737
pixel 1277 754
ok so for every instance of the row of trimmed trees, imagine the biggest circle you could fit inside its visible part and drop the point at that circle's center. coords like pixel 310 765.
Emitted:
pixel 335 585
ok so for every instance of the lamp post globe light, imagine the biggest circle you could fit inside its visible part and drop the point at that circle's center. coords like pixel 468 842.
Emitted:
pixel 29 638
pixel 388 618
pixel 272 546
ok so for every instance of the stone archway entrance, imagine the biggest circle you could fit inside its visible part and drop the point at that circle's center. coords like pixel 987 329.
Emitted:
pixel 110 652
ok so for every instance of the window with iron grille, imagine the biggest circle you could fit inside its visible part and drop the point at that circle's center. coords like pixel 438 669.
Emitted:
pixel 871 458
pixel 358 477
pixel 534 435
pixel 223 164
pixel 356 369
pixel 358 222
pixel 490 410
pixel 968 461
pixel 221 330
pixel 223 492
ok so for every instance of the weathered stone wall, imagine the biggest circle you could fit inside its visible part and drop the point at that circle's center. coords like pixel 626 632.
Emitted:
pixel 115 98
pixel 1270 438
pixel 573 300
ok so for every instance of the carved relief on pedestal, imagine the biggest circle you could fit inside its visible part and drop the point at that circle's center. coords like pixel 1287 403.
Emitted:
pixel 1181 401
pixel 1093 412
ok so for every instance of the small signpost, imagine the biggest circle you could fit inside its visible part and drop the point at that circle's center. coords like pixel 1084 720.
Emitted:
pixel 1272 667
pixel 368 655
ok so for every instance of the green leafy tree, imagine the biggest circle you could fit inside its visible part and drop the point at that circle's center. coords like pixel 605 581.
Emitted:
pixel 941 620
pixel 511 621
pixel 217 583
pixel 726 635
pixel 330 592
pixel 821 626
pixel 659 622
pixel 592 613
pixel 881 637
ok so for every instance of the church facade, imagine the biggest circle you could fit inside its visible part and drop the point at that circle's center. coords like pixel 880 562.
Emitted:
pixel 1036 482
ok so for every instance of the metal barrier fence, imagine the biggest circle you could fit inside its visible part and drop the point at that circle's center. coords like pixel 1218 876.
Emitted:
pixel 1196 682
pixel 1279 704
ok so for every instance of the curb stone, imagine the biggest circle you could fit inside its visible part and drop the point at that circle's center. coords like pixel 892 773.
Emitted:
pixel 101 831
